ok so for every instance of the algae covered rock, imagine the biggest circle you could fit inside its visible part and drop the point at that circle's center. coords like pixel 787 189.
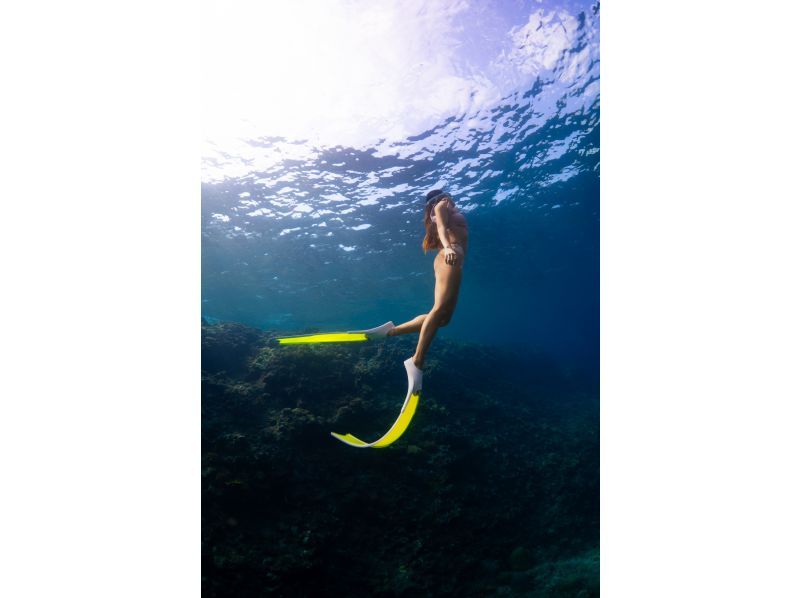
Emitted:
pixel 226 347
pixel 493 490
pixel 521 559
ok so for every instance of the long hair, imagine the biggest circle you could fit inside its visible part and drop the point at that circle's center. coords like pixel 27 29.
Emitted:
pixel 431 240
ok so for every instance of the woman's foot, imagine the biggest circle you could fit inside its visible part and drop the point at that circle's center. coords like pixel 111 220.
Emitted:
pixel 377 332
pixel 414 375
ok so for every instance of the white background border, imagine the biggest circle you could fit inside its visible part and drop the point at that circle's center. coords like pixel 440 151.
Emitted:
pixel 100 416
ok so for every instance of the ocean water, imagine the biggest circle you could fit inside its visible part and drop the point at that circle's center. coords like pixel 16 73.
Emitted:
pixel 299 236
pixel 494 488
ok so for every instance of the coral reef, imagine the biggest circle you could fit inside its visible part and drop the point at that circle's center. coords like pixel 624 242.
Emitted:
pixel 493 490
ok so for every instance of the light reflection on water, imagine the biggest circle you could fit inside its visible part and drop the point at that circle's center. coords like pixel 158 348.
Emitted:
pixel 300 234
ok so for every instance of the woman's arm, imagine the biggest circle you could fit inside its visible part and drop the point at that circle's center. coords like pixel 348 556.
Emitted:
pixel 442 221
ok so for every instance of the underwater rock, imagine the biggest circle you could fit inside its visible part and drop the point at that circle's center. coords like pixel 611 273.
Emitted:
pixel 294 423
pixel 226 347
pixel 493 489
pixel 521 559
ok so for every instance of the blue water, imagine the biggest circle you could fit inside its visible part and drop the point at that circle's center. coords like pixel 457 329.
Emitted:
pixel 302 235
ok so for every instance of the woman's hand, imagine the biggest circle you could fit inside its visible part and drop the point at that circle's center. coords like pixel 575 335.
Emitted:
pixel 450 256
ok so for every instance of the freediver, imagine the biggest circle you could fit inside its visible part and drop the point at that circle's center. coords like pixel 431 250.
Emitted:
pixel 445 230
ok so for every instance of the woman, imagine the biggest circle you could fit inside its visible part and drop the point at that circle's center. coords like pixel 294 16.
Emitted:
pixel 445 230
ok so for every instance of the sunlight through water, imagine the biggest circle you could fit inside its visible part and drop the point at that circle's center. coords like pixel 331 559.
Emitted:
pixel 325 123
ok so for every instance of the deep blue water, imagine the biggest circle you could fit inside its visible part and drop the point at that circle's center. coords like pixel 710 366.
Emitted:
pixel 329 237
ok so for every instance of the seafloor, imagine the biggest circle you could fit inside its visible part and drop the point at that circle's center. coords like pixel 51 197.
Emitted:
pixel 492 491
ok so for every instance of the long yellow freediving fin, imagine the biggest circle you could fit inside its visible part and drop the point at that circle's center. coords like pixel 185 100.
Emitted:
pixel 338 337
pixel 403 420
pixel 331 337
pixel 395 432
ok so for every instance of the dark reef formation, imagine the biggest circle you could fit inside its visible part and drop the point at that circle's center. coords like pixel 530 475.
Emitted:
pixel 492 491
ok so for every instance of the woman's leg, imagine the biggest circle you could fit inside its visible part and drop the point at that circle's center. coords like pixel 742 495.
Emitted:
pixel 414 325
pixel 448 281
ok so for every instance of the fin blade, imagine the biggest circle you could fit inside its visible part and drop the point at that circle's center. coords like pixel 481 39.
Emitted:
pixel 395 432
pixel 402 423
pixel 331 337
pixel 350 439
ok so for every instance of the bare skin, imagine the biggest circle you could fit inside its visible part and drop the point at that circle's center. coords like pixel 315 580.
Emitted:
pixel 447 267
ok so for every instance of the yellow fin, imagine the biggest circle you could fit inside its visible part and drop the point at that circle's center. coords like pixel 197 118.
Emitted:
pixel 395 432
pixel 332 337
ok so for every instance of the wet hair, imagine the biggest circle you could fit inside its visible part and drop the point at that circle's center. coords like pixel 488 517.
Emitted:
pixel 431 240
